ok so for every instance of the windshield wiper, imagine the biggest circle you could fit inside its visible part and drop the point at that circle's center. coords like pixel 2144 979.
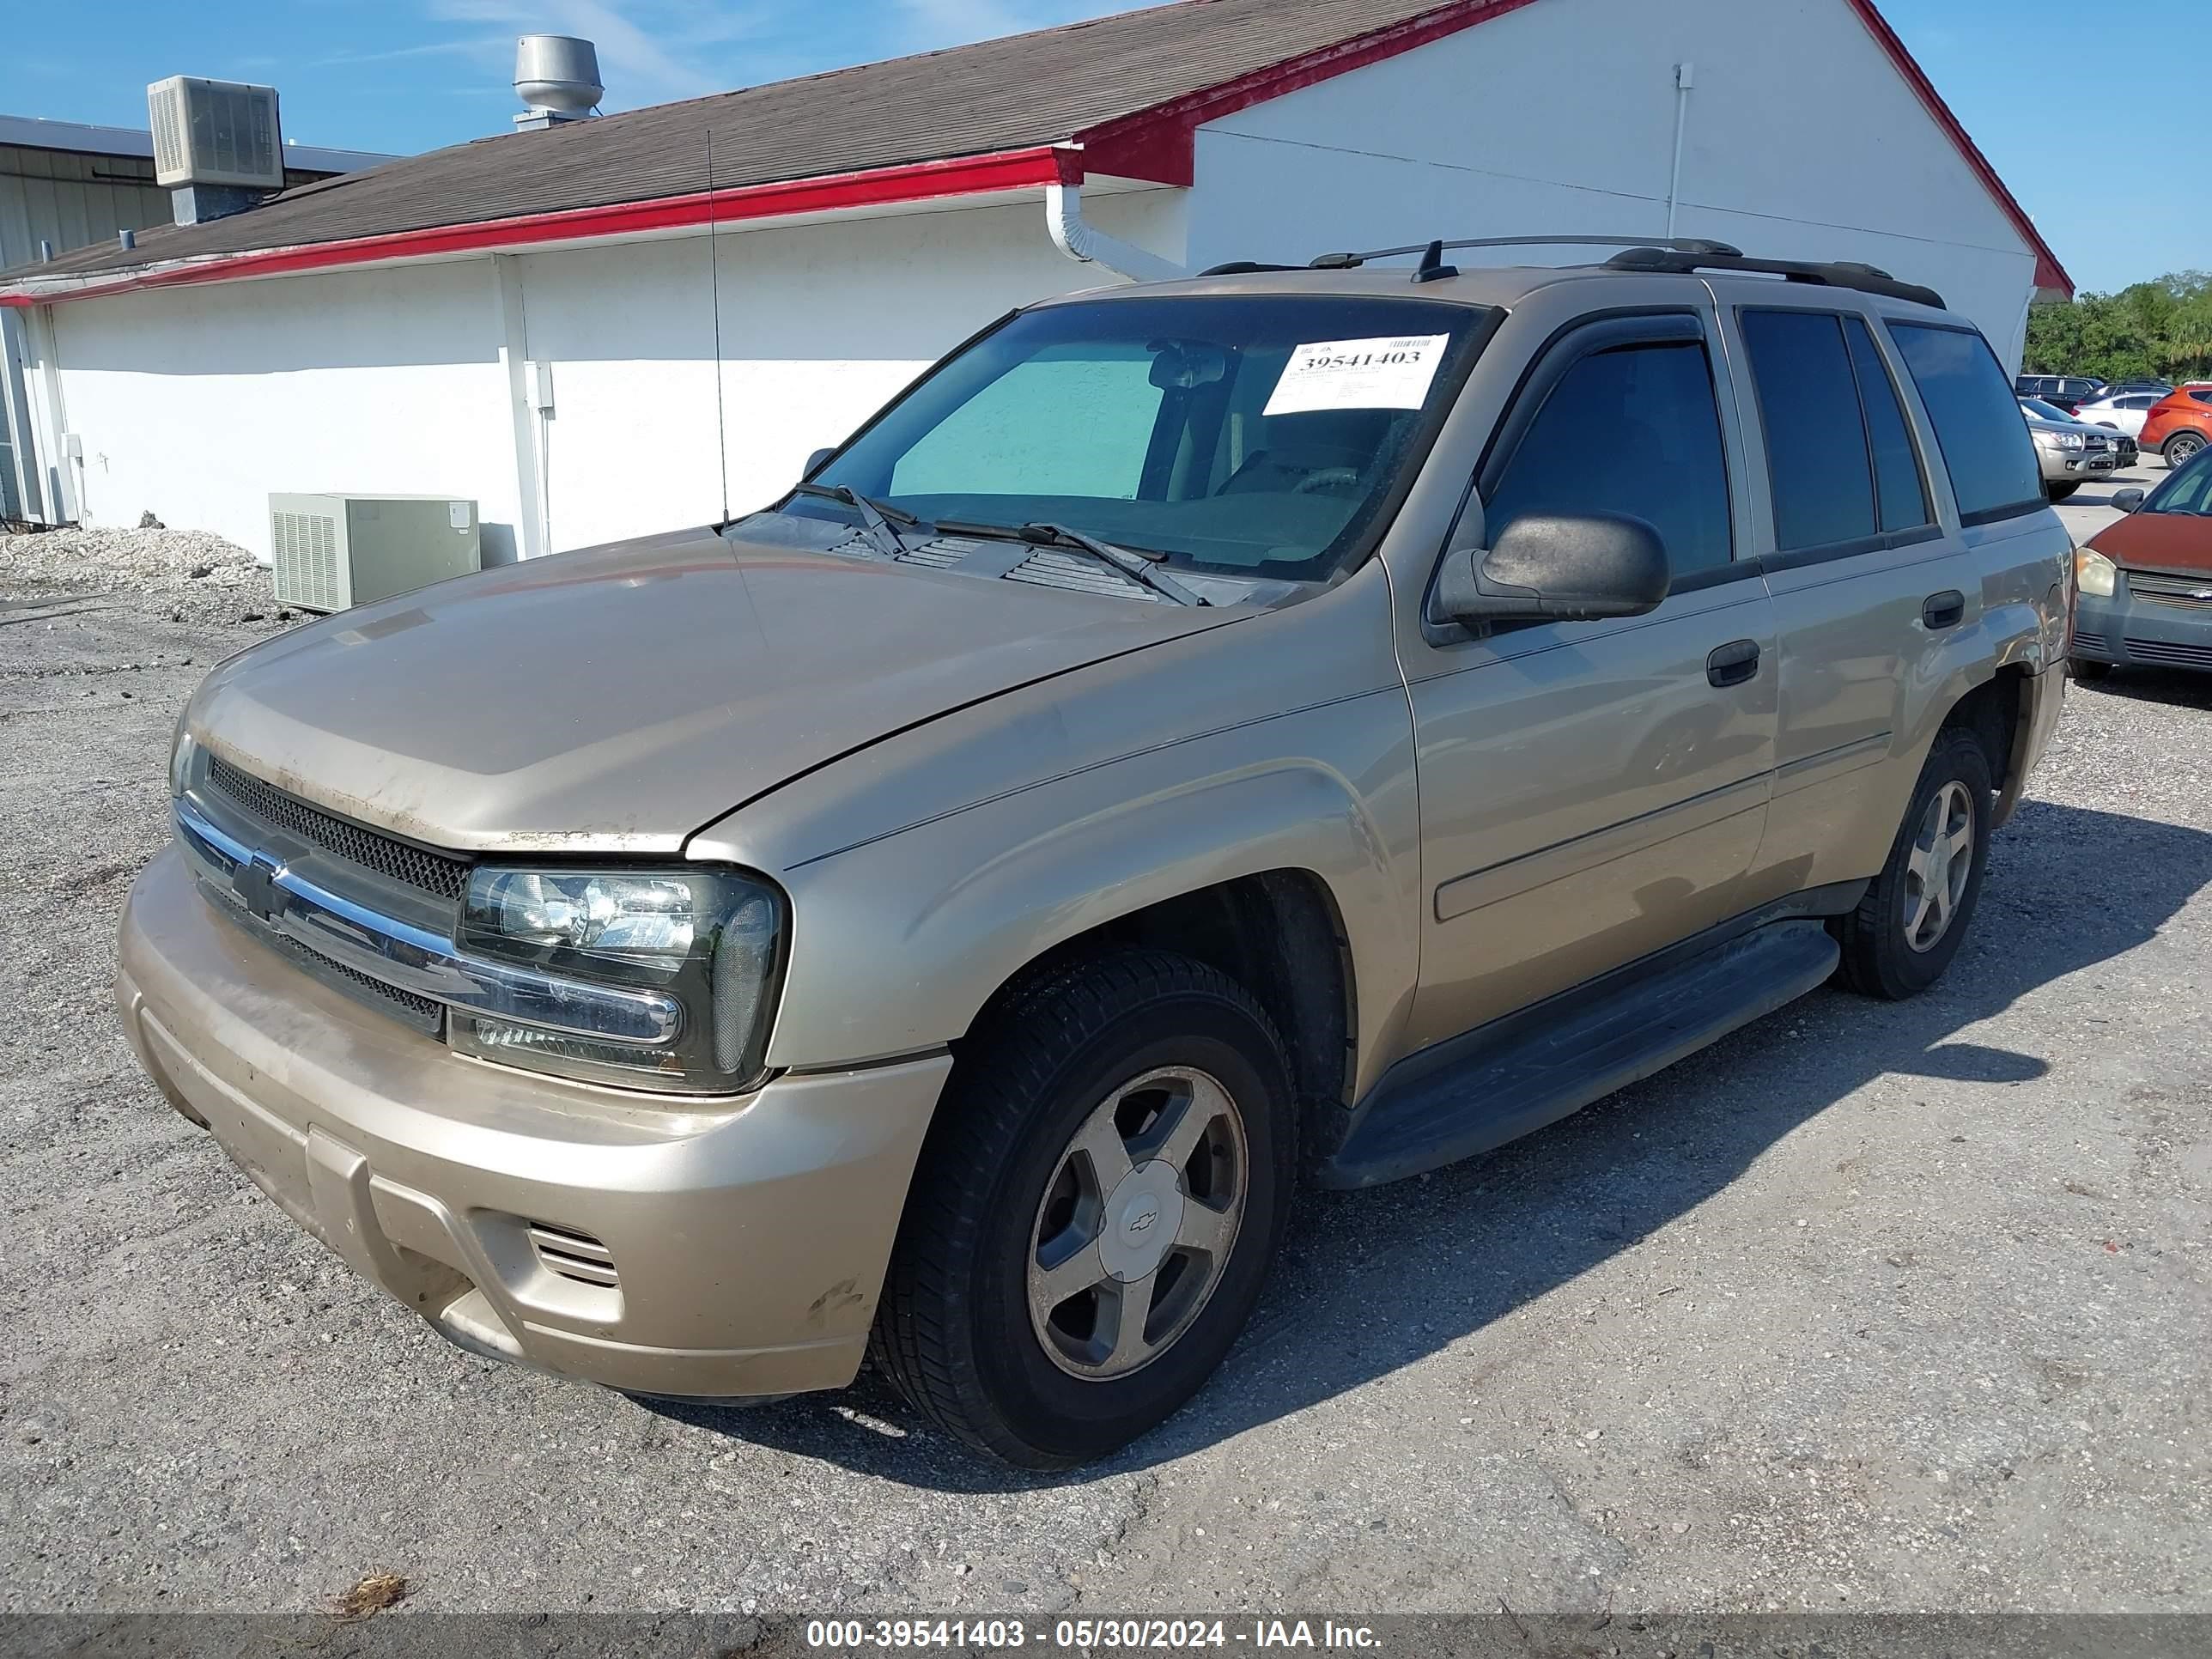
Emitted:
pixel 880 519
pixel 1142 568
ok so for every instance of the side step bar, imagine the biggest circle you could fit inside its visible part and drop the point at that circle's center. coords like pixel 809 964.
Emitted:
pixel 1534 1067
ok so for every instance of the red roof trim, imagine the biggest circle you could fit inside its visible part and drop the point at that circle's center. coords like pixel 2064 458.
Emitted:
pixel 919 181
pixel 2049 273
pixel 1157 144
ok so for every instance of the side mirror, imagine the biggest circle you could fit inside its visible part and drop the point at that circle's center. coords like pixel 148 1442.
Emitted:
pixel 814 462
pixel 1557 567
pixel 2127 499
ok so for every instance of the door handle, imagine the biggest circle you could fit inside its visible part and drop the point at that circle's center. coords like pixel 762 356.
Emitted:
pixel 1944 609
pixel 1734 663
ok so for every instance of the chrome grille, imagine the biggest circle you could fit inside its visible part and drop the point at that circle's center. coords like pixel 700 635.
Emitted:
pixel 436 873
pixel 2187 594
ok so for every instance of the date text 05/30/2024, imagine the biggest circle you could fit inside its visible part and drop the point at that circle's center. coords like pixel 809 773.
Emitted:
pixel 1091 1635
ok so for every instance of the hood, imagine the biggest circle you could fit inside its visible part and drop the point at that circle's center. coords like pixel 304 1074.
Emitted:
pixel 2178 541
pixel 616 699
pixel 2036 423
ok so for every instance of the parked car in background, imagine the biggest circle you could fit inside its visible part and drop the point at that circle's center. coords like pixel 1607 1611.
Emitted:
pixel 2122 410
pixel 2144 586
pixel 2069 452
pixel 2064 390
pixel 2178 426
pixel 2156 388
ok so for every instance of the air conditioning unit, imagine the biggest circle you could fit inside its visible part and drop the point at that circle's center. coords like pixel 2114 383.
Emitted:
pixel 333 552
pixel 214 133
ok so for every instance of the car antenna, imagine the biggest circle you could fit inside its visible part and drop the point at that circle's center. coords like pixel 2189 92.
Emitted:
pixel 1433 268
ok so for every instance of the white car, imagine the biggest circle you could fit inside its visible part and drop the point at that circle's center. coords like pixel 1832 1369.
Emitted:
pixel 2125 413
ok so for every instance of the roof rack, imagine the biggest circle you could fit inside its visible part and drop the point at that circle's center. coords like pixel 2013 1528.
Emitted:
pixel 1659 254
pixel 1683 243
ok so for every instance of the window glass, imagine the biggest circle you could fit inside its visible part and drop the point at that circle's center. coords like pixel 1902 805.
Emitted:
pixel 1986 449
pixel 1900 498
pixel 1016 426
pixel 2140 400
pixel 1633 430
pixel 1233 433
pixel 2186 490
pixel 1816 442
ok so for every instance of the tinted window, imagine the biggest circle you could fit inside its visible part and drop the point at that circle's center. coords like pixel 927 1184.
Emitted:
pixel 1986 449
pixel 1900 498
pixel 1647 413
pixel 2140 400
pixel 2203 396
pixel 1816 442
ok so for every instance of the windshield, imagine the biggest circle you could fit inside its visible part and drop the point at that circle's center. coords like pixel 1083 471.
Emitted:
pixel 2188 491
pixel 2044 411
pixel 1249 435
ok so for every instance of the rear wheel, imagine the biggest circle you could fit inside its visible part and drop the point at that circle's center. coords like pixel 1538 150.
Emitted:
pixel 1908 926
pixel 2059 492
pixel 2183 447
pixel 1096 1211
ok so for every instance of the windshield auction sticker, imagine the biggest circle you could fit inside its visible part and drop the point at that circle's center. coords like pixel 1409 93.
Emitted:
pixel 1381 373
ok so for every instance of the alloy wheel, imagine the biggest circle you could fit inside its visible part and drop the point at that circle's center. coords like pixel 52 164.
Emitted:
pixel 1937 868
pixel 1137 1223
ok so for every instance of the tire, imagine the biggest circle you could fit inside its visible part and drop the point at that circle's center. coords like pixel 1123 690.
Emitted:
pixel 2059 492
pixel 2084 669
pixel 2183 447
pixel 1006 1187
pixel 1890 947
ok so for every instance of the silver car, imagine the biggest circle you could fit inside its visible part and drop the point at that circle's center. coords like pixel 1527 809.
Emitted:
pixel 2068 451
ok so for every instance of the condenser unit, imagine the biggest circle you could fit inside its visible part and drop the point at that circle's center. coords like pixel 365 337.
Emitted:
pixel 332 552
pixel 214 133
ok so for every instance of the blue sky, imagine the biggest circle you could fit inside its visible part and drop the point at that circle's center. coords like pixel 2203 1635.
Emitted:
pixel 408 75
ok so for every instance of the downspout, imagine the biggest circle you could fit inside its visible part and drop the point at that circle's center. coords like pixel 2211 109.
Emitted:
pixel 1084 242
pixel 1685 77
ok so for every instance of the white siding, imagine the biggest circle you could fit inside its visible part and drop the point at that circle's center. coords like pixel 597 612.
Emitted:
pixel 1802 141
pixel 197 402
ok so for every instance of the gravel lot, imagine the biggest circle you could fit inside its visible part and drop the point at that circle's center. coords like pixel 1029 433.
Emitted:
pixel 1869 1307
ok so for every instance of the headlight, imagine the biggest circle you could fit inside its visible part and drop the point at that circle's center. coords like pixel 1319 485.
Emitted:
pixel 2094 573
pixel 181 749
pixel 2067 440
pixel 711 938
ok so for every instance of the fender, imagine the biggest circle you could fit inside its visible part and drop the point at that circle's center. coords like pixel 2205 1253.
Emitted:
pixel 897 945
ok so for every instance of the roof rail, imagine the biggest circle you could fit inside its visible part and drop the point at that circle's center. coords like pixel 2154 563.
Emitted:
pixel 1683 243
pixel 1833 273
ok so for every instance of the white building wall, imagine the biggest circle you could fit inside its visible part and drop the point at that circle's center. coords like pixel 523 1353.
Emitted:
pixel 1801 141
pixel 196 402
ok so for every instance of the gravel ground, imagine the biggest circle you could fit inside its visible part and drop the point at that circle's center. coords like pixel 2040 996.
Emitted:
pixel 1867 1307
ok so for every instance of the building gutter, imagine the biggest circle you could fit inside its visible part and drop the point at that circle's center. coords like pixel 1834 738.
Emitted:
pixel 1085 243
pixel 915 182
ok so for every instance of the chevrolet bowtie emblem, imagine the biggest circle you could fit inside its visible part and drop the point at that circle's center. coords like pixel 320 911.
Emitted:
pixel 255 882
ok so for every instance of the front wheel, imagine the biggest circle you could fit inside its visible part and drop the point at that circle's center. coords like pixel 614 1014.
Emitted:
pixel 2183 447
pixel 1095 1212
pixel 2085 668
pixel 1909 925
pixel 2059 492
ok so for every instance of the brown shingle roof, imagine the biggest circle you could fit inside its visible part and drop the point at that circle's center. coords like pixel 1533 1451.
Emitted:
pixel 1024 91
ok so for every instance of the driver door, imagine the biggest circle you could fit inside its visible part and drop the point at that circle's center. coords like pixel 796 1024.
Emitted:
pixel 1594 791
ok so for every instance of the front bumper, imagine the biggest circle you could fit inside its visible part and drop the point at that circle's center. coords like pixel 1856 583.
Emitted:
pixel 740 1244
pixel 2060 466
pixel 2135 632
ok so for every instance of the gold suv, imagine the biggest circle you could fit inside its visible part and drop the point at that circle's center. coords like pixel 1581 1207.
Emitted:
pixel 1284 725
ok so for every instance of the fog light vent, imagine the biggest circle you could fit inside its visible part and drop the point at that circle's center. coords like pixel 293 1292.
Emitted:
pixel 572 1254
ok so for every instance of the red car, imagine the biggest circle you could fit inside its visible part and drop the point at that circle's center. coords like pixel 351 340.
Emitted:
pixel 2179 424
pixel 2142 585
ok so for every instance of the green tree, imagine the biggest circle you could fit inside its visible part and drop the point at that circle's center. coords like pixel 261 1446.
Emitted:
pixel 2161 328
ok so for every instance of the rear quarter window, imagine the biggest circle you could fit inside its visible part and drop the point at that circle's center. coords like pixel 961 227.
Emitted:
pixel 1985 443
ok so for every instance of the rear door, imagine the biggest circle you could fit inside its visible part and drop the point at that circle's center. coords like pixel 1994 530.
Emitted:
pixel 1868 583
pixel 1593 792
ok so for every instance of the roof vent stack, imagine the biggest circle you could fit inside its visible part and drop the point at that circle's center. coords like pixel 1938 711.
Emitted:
pixel 217 148
pixel 557 75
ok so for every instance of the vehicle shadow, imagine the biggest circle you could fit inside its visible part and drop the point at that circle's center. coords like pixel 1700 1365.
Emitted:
pixel 1374 1281
pixel 2179 687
